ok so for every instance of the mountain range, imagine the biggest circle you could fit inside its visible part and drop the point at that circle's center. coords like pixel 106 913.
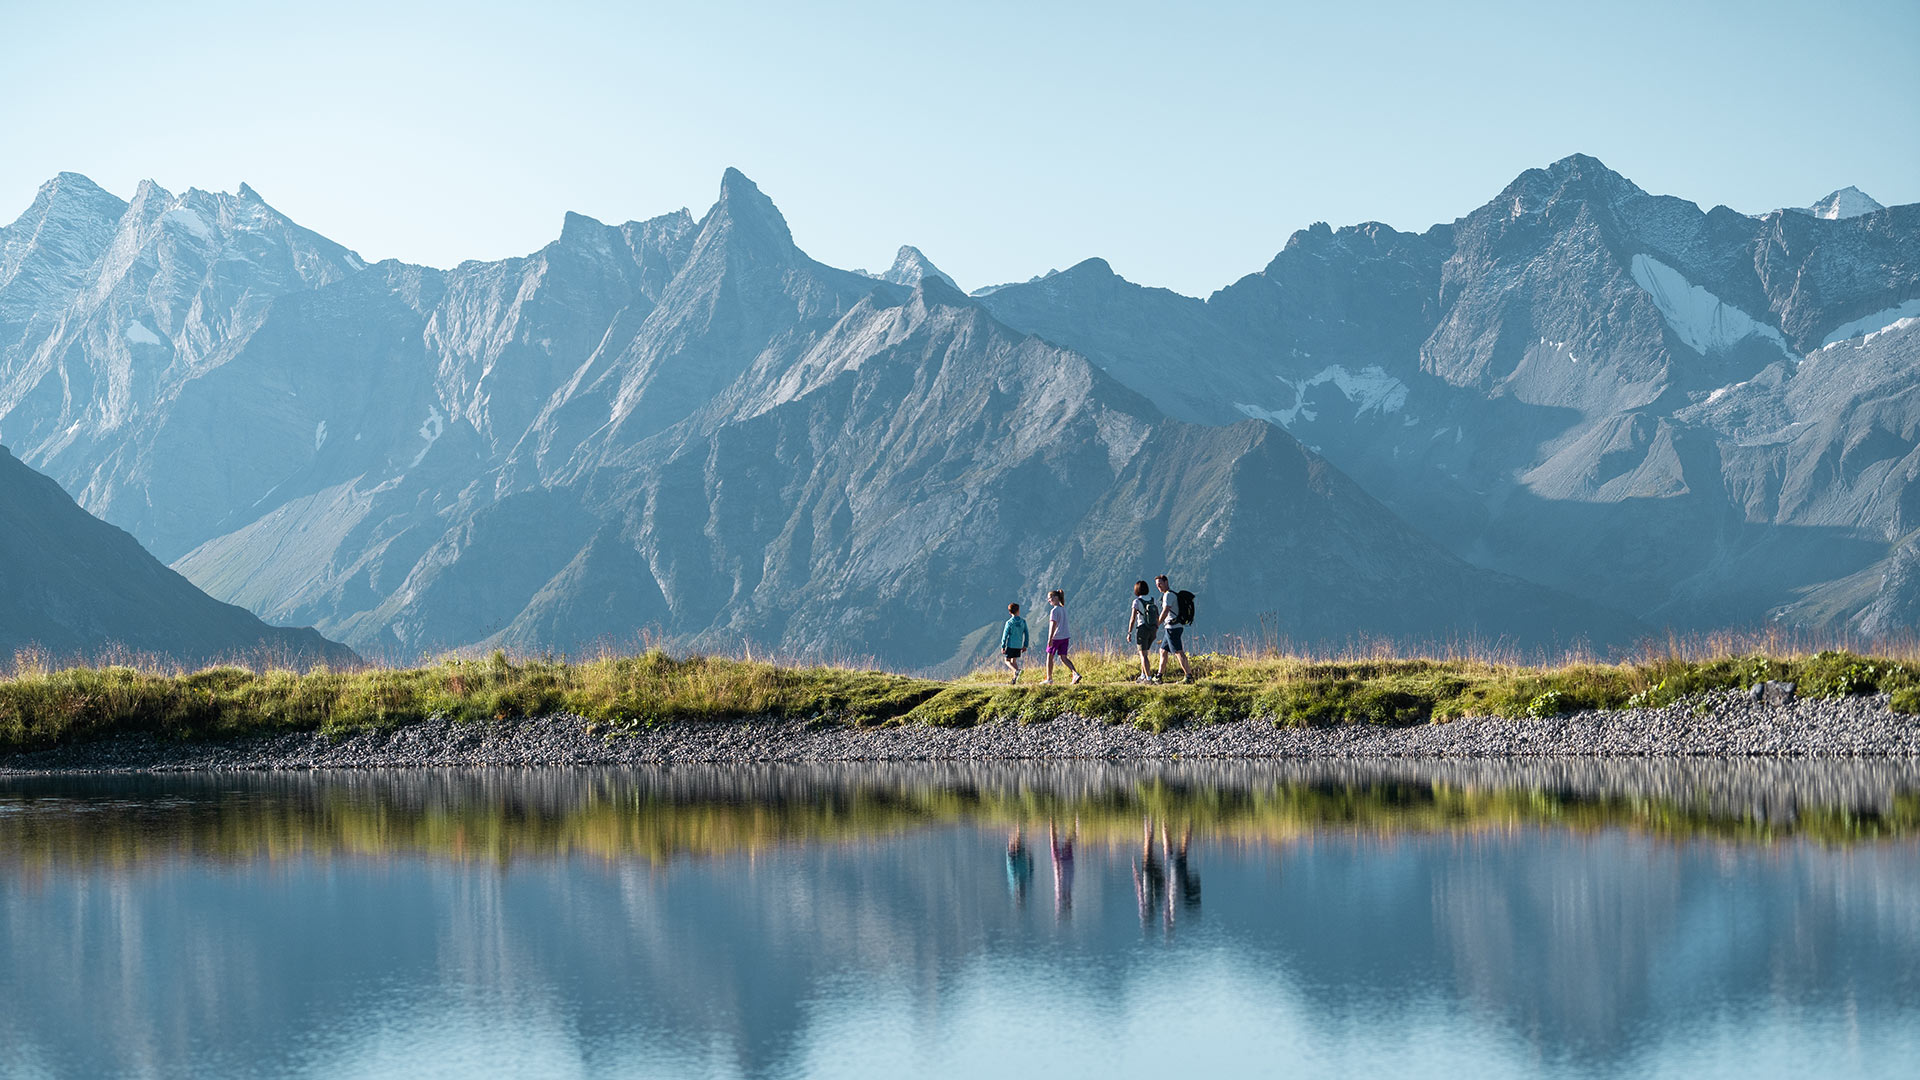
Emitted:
pixel 1582 412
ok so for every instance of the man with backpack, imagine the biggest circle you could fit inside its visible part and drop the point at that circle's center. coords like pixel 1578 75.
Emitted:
pixel 1176 612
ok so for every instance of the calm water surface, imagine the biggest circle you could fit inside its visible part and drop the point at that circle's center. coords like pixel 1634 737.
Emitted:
pixel 1573 920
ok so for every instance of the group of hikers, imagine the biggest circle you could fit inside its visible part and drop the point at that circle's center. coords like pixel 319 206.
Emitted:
pixel 1148 619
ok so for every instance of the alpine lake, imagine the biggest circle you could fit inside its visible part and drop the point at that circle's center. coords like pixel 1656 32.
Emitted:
pixel 1552 918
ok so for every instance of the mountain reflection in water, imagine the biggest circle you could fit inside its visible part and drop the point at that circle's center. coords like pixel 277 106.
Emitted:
pixel 1513 918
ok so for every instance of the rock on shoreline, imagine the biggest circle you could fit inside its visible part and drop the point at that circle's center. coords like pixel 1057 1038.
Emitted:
pixel 1726 724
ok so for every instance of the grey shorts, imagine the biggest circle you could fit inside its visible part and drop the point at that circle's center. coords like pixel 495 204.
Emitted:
pixel 1173 643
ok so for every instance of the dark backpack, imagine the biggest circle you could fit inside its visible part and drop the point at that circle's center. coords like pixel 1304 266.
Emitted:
pixel 1183 607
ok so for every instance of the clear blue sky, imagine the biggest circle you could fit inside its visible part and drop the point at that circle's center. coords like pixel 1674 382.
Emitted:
pixel 1183 145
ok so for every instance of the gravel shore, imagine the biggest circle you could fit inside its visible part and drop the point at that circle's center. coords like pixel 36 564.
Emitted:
pixel 1725 725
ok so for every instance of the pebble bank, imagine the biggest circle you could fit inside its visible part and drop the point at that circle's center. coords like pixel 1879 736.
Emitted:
pixel 1721 725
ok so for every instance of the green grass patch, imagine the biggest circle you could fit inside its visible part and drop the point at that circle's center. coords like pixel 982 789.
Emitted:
pixel 41 707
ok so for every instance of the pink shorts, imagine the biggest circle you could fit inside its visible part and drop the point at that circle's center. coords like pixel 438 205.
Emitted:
pixel 1057 647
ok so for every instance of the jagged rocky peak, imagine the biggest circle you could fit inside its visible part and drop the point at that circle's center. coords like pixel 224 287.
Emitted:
pixel 911 267
pixel 743 209
pixel 66 211
pixel 579 228
pixel 582 230
pixel 1576 176
pixel 1848 202
pixel 70 194
pixel 45 254
pixel 212 221
pixel 66 202
pixel 1322 239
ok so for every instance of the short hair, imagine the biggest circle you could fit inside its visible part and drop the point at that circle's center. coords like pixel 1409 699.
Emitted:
pixel 1160 577
pixel 1013 609
pixel 1139 588
pixel 1057 596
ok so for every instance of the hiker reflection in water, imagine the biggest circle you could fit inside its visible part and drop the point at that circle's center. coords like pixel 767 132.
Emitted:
pixel 1184 888
pixel 1019 867
pixel 1149 877
pixel 1062 869
pixel 1163 882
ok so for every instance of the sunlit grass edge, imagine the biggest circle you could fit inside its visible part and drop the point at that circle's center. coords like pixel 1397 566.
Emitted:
pixel 43 706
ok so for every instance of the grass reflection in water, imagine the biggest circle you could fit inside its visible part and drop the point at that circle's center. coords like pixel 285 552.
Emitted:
pixel 658 815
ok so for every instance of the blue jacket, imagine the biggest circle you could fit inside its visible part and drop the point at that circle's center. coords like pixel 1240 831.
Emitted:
pixel 1015 634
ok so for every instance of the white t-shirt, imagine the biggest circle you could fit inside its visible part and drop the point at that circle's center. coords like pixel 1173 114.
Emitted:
pixel 1140 611
pixel 1057 622
pixel 1169 609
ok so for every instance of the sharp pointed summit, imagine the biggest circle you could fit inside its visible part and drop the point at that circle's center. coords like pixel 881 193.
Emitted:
pixel 45 253
pixel 743 208
pixel 68 195
pixel 911 267
pixel 1848 202
pixel 1576 176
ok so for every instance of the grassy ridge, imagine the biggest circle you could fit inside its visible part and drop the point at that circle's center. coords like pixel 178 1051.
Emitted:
pixel 42 707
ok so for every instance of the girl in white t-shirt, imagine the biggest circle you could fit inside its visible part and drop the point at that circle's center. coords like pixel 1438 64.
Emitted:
pixel 1057 634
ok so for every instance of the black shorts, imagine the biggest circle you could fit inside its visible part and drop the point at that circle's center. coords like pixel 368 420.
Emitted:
pixel 1173 644
pixel 1143 636
pixel 1013 654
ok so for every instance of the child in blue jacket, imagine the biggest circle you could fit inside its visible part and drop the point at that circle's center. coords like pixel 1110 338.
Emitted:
pixel 1013 640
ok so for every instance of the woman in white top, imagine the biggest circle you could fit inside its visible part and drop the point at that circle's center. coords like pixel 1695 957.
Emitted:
pixel 1057 634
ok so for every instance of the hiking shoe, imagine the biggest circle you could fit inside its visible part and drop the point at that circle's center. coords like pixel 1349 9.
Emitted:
pixel 1076 678
pixel 1188 679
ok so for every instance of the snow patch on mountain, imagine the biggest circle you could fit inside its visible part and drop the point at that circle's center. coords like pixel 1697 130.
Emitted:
pixel 1703 321
pixel 1278 419
pixel 1871 324
pixel 1561 346
pixel 189 220
pixel 1370 389
pixel 137 333
pixel 431 429
pixel 319 434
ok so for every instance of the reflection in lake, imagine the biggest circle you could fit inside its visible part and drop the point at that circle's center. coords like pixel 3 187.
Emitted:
pixel 1570 918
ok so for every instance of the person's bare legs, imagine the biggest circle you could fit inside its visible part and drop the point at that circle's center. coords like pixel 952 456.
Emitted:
pixel 1181 656
pixel 1146 672
pixel 1049 677
pixel 1013 665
